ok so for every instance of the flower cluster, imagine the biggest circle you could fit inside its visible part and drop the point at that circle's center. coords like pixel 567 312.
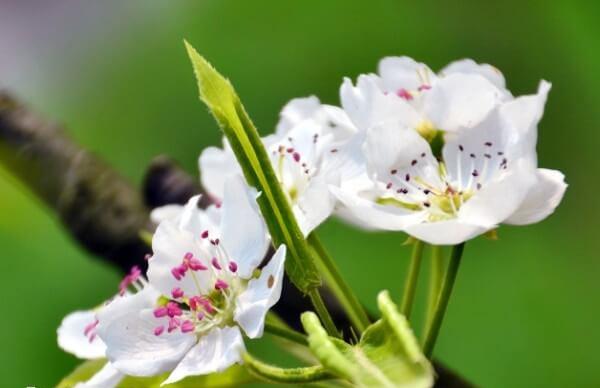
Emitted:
pixel 442 157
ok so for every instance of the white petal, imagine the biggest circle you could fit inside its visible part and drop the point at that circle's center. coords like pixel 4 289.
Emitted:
pixel 215 352
pixel 127 328
pixel 469 66
pixel 368 214
pixel 216 165
pixel 542 198
pixel 390 146
pixel 167 212
pixel 450 232
pixel 460 100
pixel 107 377
pixel 405 73
pixel 523 115
pixel 170 244
pixel 72 339
pixel 499 198
pixel 243 231
pixel 262 293
pixel 368 105
pixel 295 111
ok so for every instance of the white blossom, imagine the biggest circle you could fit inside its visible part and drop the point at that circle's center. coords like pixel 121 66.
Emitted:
pixel 487 172
pixel 202 289
pixel 304 154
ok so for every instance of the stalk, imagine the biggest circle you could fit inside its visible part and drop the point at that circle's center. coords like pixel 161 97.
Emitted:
pixel 342 291
pixel 442 302
pixel 412 277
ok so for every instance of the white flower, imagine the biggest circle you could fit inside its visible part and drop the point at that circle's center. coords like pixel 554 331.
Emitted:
pixel 77 335
pixel 303 154
pixel 488 173
pixel 202 289
pixel 406 91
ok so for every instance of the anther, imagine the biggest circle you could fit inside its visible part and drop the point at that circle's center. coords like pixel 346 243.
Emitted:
pixel 177 293
pixel 159 330
pixel 215 263
pixel 204 234
pixel 187 326
pixel 160 312
pixel 220 285
pixel 233 266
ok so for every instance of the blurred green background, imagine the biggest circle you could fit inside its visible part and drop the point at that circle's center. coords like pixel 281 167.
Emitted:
pixel 525 309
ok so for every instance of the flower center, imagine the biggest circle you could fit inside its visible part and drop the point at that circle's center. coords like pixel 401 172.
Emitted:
pixel 426 185
pixel 201 310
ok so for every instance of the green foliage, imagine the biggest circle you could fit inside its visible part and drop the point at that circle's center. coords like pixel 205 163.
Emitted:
pixel 232 377
pixel 220 97
pixel 387 355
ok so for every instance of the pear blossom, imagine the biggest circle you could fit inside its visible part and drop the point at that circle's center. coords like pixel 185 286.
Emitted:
pixel 77 335
pixel 487 173
pixel 305 153
pixel 460 96
pixel 202 289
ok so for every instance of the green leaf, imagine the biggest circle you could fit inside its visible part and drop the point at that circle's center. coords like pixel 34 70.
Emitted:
pixel 388 354
pixel 220 97
pixel 232 377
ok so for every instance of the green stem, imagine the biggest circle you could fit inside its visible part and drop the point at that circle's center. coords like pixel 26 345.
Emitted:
pixel 323 313
pixel 442 301
pixel 436 273
pixel 287 333
pixel 285 375
pixel 352 306
pixel 410 284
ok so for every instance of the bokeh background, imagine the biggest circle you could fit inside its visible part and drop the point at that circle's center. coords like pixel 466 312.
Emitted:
pixel 525 310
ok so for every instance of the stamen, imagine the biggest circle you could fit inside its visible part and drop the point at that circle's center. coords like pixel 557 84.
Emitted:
pixel 160 312
pixel 220 285
pixel 159 330
pixel 173 324
pixel 187 326
pixel 215 263
pixel 233 266
pixel 196 265
pixel 296 156
pixel 204 234
pixel 177 293
pixel 405 94
pixel 173 310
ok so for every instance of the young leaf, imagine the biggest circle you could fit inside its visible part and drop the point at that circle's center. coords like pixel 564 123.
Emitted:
pixel 387 355
pixel 220 97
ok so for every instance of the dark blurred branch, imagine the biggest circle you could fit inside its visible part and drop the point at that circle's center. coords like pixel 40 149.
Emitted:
pixel 105 213
pixel 100 209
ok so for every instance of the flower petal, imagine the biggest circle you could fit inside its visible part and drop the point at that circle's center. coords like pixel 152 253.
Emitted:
pixel 368 214
pixel 295 111
pixel 260 295
pixel 542 198
pixel 368 105
pixel 314 206
pixel 170 244
pixel 71 336
pixel 523 115
pixel 215 352
pixel 167 212
pixel 469 66
pixel 405 73
pixel 449 232
pixel 499 198
pixel 243 231
pixel 216 165
pixel 107 377
pixel 460 100
pixel 127 328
